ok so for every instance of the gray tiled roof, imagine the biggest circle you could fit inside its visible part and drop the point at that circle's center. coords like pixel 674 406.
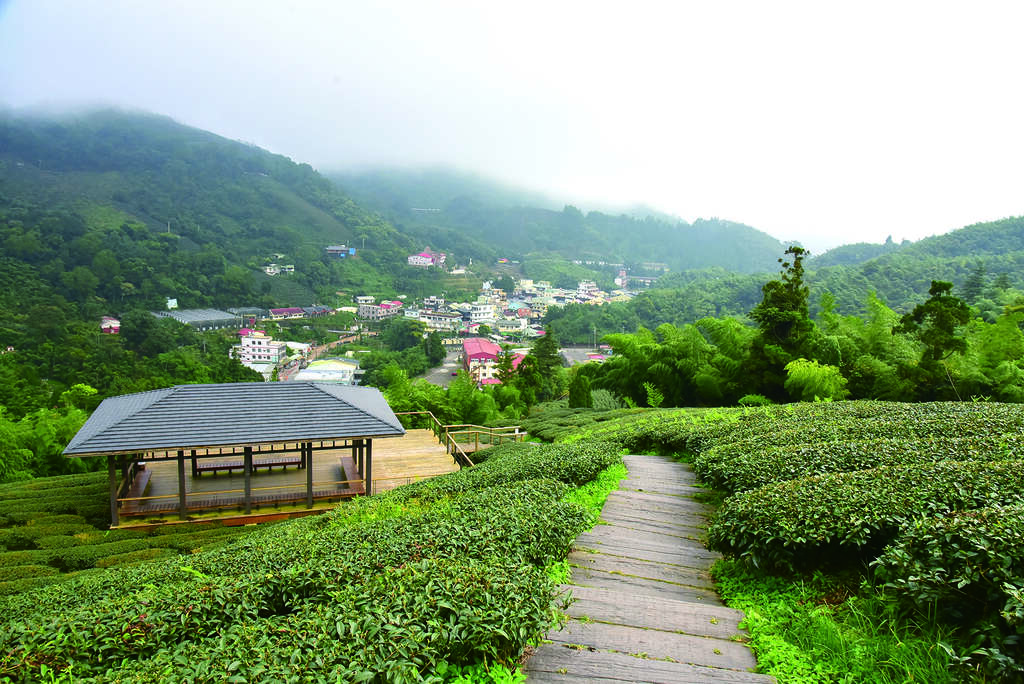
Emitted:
pixel 189 416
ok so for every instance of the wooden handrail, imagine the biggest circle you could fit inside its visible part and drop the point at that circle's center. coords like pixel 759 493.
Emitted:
pixel 441 432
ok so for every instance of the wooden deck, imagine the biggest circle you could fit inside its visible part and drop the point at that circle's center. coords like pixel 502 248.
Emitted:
pixel 416 456
pixel 645 609
pixel 396 461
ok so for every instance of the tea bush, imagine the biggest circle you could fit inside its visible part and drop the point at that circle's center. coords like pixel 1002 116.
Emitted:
pixel 60 524
pixel 739 466
pixel 840 517
pixel 968 569
pixel 387 588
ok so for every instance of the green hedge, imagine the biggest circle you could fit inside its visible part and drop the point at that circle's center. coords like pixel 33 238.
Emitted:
pixel 23 571
pixel 828 519
pixel 968 568
pixel 386 587
pixel 742 466
pixel 134 557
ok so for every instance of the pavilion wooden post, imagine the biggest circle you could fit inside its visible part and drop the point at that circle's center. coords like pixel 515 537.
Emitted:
pixel 182 510
pixel 248 480
pixel 195 465
pixel 368 469
pixel 112 475
pixel 309 474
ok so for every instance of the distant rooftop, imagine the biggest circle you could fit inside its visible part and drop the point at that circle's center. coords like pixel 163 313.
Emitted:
pixel 196 316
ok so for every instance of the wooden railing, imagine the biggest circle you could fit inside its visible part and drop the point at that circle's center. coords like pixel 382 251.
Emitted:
pixel 481 434
pixel 440 431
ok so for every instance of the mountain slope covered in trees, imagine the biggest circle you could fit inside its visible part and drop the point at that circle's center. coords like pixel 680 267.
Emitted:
pixel 486 220
pixel 186 213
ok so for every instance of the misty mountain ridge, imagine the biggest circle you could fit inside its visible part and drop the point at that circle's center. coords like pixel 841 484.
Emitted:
pixel 488 219
pixel 193 214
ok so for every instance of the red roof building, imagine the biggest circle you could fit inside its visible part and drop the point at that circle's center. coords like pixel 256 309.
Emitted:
pixel 480 357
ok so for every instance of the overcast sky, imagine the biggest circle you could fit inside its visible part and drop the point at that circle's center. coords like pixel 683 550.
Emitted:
pixel 824 122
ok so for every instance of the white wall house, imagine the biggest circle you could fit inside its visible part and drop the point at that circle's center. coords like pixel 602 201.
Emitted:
pixel 482 312
pixel 259 351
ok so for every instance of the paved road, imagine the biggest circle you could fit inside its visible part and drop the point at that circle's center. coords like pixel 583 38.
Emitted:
pixel 442 375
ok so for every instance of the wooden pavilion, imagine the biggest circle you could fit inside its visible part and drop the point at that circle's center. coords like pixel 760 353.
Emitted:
pixel 243 427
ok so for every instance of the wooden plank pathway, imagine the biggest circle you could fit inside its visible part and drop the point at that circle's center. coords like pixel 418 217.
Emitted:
pixel 645 609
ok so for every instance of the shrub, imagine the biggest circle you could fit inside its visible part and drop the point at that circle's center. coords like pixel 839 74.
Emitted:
pixel 134 557
pixel 754 400
pixel 968 567
pixel 741 466
pixel 23 571
pixel 603 400
pixel 826 519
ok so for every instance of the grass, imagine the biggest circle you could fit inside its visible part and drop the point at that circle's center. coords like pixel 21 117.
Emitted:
pixel 593 494
pixel 806 630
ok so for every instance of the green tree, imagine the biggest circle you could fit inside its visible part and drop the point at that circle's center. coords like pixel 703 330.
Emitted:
pixel 936 325
pixel 974 285
pixel 784 326
pixel 434 348
pixel 504 366
pixel 579 392
pixel 782 314
pixel 401 333
pixel 549 365
pixel 811 381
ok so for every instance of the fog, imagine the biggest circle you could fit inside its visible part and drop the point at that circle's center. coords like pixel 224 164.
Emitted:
pixel 808 120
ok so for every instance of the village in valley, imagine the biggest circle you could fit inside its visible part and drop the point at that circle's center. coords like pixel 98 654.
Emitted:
pixel 475 333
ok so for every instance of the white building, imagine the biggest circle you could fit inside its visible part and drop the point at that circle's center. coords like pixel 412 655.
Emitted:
pixel 482 312
pixel 338 371
pixel 259 351
pixel 441 321
pixel 378 312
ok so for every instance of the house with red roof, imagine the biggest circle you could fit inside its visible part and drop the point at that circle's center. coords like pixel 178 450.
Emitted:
pixel 480 358
pixel 426 258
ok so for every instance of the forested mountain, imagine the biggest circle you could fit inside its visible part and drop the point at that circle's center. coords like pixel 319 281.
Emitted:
pixel 487 220
pixel 183 213
pixel 110 212
pixel 985 263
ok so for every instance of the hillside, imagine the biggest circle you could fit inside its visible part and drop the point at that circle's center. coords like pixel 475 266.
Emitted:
pixel 110 213
pixel 186 213
pixel 487 220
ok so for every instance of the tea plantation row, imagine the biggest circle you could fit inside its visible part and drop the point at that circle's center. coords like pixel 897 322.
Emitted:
pixel 924 499
pixel 55 528
pixel 387 588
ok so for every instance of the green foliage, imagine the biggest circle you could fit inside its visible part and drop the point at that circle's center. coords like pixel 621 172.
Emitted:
pixel 833 517
pixel 431 577
pixel 966 568
pixel 935 323
pixel 552 424
pixel 54 527
pixel 814 629
pixel 745 464
pixel 579 392
pixel 811 381
pixel 782 315
pixel 603 400
pixel 754 400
